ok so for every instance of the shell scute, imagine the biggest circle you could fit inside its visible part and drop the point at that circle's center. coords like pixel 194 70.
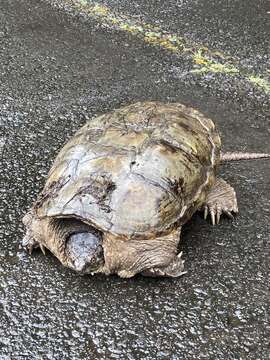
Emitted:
pixel 134 171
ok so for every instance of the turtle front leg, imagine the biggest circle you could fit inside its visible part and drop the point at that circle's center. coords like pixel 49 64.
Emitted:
pixel 29 242
pixel 174 269
pixel 220 200
pixel 149 257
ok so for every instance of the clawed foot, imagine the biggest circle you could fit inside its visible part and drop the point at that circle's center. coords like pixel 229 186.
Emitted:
pixel 29 243
pixel 220 200
pixel 216 211
pixel 174 269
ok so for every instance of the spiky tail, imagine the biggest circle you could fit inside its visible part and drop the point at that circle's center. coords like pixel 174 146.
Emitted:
pixel 230 156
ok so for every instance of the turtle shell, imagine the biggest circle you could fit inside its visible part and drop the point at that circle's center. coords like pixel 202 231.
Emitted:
pixel 136 171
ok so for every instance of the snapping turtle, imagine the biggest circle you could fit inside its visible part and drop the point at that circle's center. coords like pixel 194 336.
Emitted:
pixel 120 190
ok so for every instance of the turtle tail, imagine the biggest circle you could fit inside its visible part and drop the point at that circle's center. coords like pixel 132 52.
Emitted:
pixel 231 156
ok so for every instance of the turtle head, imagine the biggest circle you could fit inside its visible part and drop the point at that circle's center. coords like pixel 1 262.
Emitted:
pixel 84 251
pixel 75 243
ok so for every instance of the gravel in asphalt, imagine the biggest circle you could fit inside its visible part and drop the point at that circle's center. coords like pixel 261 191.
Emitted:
pixel 58 69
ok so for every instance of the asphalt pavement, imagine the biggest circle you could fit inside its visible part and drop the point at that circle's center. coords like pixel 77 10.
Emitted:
pixel 63 62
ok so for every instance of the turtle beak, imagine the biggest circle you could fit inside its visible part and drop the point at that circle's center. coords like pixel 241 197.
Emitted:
pixel 85 251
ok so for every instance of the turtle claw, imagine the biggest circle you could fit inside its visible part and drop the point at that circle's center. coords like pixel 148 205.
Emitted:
pixel 212 213
pixel 29 244
pixel 228 213
pixel 219 212
pixel 216 212
pixel 42 248
pixel 205 212
pixel 174 269
pixel 220 200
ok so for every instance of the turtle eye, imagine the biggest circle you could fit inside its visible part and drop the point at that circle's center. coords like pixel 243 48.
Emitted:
pixel 85 251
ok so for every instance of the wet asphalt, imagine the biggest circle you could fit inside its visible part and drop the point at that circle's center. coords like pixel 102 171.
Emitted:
pixel 58 69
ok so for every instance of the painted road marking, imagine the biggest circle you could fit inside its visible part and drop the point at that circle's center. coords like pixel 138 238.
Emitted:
pixel 204 60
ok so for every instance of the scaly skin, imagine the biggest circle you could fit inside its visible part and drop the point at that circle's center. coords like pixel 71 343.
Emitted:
pixel 231 156
pixel 136 175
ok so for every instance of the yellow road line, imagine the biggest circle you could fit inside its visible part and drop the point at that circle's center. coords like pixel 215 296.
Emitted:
pixel 204 60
